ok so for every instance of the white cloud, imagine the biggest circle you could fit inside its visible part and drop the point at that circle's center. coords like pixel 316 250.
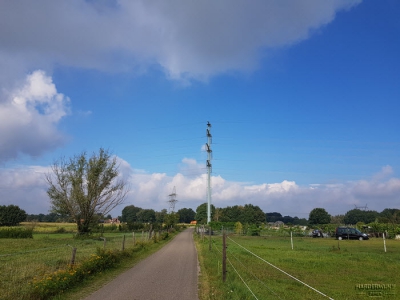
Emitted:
pixel 26 187
pixel 188 39
pixel 29 116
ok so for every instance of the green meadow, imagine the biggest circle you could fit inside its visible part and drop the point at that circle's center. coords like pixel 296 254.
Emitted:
pixel 314 269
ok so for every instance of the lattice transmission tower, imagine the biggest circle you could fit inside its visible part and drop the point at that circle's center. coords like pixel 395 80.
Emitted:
pixel 361 207
pixel 172 200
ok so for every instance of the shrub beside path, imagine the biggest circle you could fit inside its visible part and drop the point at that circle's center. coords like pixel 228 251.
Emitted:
pixel 170 273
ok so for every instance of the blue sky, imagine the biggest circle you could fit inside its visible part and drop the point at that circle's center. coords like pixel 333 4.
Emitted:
pixel 303 98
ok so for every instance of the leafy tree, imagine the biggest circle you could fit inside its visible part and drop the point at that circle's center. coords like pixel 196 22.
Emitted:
pixel 390 215
pixel 11 215
pixel 217 214
pixel 338 219
pixel 238 228
pixel 82 187
pixel 273 217
pixel 298 221
pixel 319 216
pixel 186 215
pixel 161 215
pixel 171 219
pixel 51 217
pixel 252 214
pixel 201 213
pixel 357 215
pixel 231 213
pixel 146 216
pixel 129 213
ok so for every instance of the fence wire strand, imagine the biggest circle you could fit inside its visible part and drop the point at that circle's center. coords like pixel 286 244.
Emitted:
pixel 291 276
pixel 241 278
pixel 236 272
pixel 263 283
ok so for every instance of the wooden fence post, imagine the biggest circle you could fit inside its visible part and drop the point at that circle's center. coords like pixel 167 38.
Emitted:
pixel 73 256
pixel 123 243
pixel 134 241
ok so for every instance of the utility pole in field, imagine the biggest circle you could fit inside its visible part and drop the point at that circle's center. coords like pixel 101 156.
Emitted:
pixel 209 169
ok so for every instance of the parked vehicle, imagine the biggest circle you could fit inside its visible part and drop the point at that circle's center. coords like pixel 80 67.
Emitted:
pixel 317 233
pixel 350 233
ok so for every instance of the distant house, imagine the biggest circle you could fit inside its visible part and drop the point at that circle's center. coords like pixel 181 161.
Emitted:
pixel 276 224
pixel 193 223
pixel 112 221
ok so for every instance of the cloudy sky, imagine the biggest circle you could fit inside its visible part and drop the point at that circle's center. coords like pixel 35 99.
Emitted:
pixel 303 98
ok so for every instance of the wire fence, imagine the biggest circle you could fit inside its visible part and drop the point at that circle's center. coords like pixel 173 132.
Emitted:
pixel 251 276
pixel 275 267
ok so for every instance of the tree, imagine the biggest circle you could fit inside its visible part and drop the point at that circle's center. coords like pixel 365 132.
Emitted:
pixel 238 228
pixel 201 213
pixel 273 217
pixel 390 215
pixel 231 214
pixel 82 187
pixel 186 215
pixel 357 215
pixel 146 216
pixel 338 219
pixel 217 214
pixel 11 215
pixel 129 213
pixel 319 216
pixel 252 214
pixel 171 219
pixel 161 215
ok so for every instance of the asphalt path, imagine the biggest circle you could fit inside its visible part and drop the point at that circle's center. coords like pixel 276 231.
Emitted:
pixel 170 273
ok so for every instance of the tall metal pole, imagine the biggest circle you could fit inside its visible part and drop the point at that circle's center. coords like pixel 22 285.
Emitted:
pixel 209 151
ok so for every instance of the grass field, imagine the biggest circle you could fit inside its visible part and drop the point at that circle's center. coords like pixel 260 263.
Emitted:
pixel 21 260
pixel 336 273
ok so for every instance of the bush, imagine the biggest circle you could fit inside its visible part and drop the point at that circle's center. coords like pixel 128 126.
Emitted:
pixel 61 280
pixel 253 230
pixel 164 236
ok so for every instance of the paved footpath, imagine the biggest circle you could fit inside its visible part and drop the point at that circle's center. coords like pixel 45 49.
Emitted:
pixel 169 274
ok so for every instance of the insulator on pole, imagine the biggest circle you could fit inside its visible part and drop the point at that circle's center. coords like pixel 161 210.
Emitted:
pixel 209 170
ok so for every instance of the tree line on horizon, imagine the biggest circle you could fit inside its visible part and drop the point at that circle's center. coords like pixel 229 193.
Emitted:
pixel 247 213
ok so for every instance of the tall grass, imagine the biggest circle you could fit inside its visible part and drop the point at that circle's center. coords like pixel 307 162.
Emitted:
pixel 318 263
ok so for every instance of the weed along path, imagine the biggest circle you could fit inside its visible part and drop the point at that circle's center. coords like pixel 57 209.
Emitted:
pixel 170 273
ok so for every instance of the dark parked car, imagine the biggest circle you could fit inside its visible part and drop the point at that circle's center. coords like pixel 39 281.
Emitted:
pixel 350 233
pixel 317 233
